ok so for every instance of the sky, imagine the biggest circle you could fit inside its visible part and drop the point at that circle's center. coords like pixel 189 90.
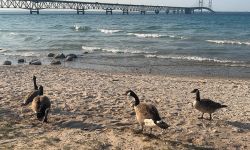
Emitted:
pixel 218 5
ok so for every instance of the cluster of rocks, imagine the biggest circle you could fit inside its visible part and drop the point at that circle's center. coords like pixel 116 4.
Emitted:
pixel 57 57
pixel 55 61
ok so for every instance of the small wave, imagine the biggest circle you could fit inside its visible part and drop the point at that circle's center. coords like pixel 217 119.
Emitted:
pixel 146 35
pixel 26 54
pixel 3 50
pixel 109 31
pixel 91 49
pixel 36 39
pixel 81 28
pixel 228 42
pixel 155 35
pixel 112 50
pixel 192 58
pixel 13 33
pixel 153 27
pixel 56 27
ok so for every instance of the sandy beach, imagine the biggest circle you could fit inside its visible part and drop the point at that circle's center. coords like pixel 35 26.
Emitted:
pixel 89 110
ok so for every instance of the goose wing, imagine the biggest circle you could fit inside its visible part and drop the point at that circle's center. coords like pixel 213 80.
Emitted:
pixel 211 104
pixel 29 97
pixel 154 113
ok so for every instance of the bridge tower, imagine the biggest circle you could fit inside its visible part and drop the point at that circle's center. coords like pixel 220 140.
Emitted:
pixel 201 4
pixel 210 4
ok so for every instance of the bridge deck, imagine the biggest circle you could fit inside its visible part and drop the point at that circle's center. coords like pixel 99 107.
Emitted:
pixel 78 5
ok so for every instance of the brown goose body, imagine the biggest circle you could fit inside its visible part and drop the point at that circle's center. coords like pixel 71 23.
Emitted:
pixel 147 114
pixel 205 105
pixel 41 105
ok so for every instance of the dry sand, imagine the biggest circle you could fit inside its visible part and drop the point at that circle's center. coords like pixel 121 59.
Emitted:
pixel 89 111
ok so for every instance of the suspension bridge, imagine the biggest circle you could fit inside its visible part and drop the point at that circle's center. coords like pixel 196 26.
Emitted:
pixel 34 6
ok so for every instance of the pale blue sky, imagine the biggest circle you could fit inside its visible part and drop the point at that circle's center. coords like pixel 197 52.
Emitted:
pixel 218 5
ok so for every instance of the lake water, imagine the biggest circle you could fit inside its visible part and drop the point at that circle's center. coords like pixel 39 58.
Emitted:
pixel 175 44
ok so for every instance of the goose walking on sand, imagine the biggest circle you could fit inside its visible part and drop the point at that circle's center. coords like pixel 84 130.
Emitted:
pixel 41 106
pixel 205 105
pixel 146 114
pixel 29 97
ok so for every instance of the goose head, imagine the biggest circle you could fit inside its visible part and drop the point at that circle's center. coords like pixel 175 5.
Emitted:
pixel 130 94
pixel 195 91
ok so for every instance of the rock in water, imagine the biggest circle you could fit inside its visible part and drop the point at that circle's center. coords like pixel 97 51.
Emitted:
pixel 21 60
pixel 51 55
pixel 35 62
pixel 72 55
pixel 7 62
pixel 60 56
pixel 69 58
pixel 55 62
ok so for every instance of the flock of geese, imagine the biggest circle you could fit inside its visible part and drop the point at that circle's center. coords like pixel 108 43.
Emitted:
pixel 146 114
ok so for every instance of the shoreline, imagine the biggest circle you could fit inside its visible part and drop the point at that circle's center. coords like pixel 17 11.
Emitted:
pixel 82 63
pixel 89 110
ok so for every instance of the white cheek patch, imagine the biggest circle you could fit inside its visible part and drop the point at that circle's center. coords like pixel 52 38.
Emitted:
pixel 149 122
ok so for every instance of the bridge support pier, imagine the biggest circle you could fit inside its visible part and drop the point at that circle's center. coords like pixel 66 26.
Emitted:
pixel 34 11
pixel 188 11
pixel 157 12
pixel 80 11
pixel 109 11
pixel 143 12
pixel 167 11
pixel 125 11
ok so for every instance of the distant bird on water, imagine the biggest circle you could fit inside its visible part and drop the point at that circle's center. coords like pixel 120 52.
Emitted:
pixel 205 105
pixel 146 114
pixel 41 105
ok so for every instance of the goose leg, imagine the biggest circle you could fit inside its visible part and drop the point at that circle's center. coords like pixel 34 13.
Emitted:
pixel 201 116
pixel 142 128
pixel 46 116
pixel 210 117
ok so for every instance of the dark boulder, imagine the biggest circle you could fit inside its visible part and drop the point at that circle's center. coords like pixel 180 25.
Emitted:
pixel 51 55
pixel 72 55
pixel 35 62
pixel 7 62
pixel 21 60
pixel 60 56
pixel 69 58
pixel 55 62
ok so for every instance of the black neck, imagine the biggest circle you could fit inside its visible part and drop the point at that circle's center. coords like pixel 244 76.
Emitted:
pixel 137 101
pixel 35 86
pixel 40 91
pixel 198 96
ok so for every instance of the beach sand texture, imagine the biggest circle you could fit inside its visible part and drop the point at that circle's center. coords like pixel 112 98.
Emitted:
pixel 89 110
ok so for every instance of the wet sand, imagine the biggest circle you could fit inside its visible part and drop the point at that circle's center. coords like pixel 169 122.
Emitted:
pixel 89 110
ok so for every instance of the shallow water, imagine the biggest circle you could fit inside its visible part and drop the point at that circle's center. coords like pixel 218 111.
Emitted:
pixel 199 44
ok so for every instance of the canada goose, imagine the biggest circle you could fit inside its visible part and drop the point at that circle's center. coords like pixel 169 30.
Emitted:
pixel 29 98
pixel 146 114
pixel 205 105
pixel 41 105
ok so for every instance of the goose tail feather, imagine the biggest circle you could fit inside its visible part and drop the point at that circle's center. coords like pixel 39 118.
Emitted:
pixel 162 124
pixel 222 106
